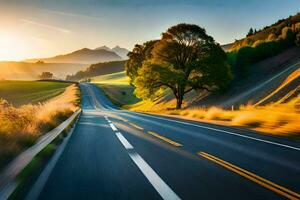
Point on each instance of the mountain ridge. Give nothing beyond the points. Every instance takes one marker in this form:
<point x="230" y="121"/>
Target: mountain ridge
<point x="81" y="56"/>
<point x="117" y="49"/>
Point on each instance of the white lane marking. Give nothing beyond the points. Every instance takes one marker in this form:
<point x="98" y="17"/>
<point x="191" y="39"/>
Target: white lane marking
<point x="159" y="185"/>
<point x="113" y="127"/>
<point x="214" y="129"/>
<point x="219" y="130"/>
<point x="107" y="119"/>
<point x="123" y="140"/>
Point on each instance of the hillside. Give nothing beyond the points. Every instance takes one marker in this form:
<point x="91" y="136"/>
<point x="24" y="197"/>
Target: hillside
<point x="98" y="69"/>
<point x="82" y="56"/>
<point x="268" y="33"/>
<point x="114" y="78"/>
<point x="30" y="71"/>
<point x="116" y="86"/>
<point x="280" y="86"/>
<point x="227" y="47"/>
<point x="263" y="85"/>
<point x="267" y="104"/>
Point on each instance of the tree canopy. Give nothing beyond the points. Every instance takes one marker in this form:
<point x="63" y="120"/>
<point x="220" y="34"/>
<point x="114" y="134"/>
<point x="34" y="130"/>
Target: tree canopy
<point x="46" y="75"/>
<point x="137" y="56"/>
<point x="250" y="32"/>
<point x="185" y="58"/>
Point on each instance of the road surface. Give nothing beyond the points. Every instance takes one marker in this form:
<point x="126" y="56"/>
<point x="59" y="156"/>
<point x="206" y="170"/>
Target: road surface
<point x="117" y="154"/>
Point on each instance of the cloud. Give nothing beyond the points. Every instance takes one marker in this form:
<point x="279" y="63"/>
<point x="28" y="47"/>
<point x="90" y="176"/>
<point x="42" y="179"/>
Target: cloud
<point x="69" y="14"/>
<point x="62" y="30"/>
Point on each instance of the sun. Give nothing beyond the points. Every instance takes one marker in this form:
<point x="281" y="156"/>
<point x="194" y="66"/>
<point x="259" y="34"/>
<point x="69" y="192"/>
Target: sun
<point x="12" y="47"/>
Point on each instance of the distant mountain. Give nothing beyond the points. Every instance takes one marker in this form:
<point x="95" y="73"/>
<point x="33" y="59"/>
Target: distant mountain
<point x="117" y="49"/>
<point x="104" y="47"/>
<point x="82" y="56"/>
<point x="121" y="51"/>
<point x="98" y="69"/>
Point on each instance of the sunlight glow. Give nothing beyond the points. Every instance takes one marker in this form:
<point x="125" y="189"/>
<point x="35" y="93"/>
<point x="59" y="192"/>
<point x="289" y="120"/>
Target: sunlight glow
<point x="12" y="47"/>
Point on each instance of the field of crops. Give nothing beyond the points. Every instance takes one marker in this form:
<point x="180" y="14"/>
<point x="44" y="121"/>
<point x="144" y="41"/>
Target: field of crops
<point x="24" y="92"/>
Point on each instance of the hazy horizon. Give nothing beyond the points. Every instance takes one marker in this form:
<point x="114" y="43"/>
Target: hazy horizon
<point x="38" y="28"/>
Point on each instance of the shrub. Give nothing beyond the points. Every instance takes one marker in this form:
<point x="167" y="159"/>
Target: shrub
<point x="257" y="42"/>
<point x="271" y="37"/>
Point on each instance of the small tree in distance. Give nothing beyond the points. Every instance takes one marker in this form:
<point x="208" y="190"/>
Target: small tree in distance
<point x="185" y="58"/>
<point x="46" y="75"/>
<point x="250" y="32"/>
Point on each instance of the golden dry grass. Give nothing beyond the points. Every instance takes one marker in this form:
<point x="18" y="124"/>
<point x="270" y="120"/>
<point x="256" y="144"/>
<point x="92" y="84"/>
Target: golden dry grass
<point x="21" y="127"/>
<point x="292" y="77"/>
<point x="277" y="119"/>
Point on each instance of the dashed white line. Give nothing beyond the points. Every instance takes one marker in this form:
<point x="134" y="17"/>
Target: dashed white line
<point x="107" y="119"/>
<point x="123" y="140"/>
<point x="113" y="127"/>
<point x="159" y="185"/>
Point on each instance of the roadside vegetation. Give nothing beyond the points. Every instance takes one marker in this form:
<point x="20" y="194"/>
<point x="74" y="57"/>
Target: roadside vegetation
<point x="264" y="43"/>
<point x="275" y="118"/>
<point x="21" y="127"/>
<point x="116" y="86"/>
<point x="186" y="60"/>
<point x="24" y="92"/>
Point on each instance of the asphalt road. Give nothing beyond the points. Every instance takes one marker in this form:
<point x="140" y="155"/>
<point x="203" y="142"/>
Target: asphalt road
<point x="117" y="154"/>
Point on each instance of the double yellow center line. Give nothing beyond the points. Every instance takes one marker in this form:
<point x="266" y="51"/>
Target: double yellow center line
<point x="164" y="139"/>
<point x="157" y="135"/>
<point x="136" y="126"/>
<point x="242" y="172"/>
<point x="253" y="177"/>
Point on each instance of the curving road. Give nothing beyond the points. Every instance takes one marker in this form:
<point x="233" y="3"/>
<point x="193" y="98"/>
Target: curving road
<point x="117" y="154"/>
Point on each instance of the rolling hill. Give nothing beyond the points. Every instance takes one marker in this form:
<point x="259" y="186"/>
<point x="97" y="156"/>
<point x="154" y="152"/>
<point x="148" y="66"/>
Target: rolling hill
<point x="30" y="71"/>
<point x="269" y="33"/>
<point x="82" y="56"/>
<point x="98" y="69"/>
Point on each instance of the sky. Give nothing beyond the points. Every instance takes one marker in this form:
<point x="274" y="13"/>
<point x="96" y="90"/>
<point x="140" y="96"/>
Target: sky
<point x="44" y="28"/>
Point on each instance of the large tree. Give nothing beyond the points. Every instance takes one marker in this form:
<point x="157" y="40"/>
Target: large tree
<point x="185" y="58"/>
<point x="137" y="56"/>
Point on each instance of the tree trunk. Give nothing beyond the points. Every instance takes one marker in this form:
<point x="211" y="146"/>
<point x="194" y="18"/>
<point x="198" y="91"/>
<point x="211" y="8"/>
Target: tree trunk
<point x="179" y="101"/>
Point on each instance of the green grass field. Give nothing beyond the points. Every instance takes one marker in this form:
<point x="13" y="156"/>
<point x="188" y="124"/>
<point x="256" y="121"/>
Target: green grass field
<point x="118" y="78"/>
<point x="116" y="86"/>
<point x="23" y="92"/>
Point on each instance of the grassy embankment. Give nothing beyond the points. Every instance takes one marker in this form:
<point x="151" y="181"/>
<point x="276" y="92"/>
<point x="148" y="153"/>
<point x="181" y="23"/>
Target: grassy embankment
<point x="116" y="86"/>
<point x="21" y="126"/>
<point x="278" y="118"/>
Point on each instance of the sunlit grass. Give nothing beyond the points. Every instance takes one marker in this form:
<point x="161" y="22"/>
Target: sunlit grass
<point x="21" y="127"/>
<point x="118" y="78"/>
<point x="23" y="92"/>
<point x="117" y="88"/>
<point x="278" y="119"/>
